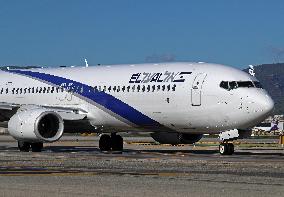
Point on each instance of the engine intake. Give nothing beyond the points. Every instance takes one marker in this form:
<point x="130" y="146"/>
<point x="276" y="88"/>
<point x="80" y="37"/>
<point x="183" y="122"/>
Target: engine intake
<point x="36" y="125"/>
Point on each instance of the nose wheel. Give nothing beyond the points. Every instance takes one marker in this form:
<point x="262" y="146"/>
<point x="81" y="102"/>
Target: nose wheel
<point x="111" y="142"/>
<point x="226" y="148"/>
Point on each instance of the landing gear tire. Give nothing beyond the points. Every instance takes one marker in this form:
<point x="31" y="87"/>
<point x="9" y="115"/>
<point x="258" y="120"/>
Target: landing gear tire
<point x="231" y="148"/>
<point x="116" y="143"/>
<point x="24" y="146"/>
<point x="37" y="147"/>
<point x="105" y="143"/>
<point x="226" y="148"/>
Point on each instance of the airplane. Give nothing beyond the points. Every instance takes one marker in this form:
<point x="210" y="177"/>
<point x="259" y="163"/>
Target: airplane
<point x="176" y="102"/>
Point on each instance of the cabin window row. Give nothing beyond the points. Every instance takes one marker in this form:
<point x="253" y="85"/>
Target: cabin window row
<point x="31" y="90"/>
<point x="133" y="88"/>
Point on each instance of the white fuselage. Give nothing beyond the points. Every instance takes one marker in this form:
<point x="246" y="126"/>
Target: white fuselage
<point x="182" y="97"/>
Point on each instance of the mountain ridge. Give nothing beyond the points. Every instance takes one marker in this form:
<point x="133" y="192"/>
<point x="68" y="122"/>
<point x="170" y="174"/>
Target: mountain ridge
<point x="271" y="76"/>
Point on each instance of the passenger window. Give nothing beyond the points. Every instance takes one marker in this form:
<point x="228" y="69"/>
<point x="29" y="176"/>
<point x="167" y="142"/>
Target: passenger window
<point x="143" y="88"/>
<point x="174" y="87"/>
<point x="163" y="88"/>
<point x="133" y="88"/>
<point x="169" y="87"/>
<point x="153" y="88"/>
<point x="138" y="88"/>
<point x="158" y="87"/>
<point x="148" y="88"/>
<point x="128" y="88"/>
<point x="95" y="89"/>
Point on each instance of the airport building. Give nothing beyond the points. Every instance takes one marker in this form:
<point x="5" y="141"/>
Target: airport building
<point x="273" y="125"/>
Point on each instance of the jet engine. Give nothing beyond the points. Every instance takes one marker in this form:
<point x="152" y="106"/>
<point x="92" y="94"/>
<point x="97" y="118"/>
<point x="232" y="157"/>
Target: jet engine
<point x="36" y="125"/>
<point x="176" y="138"/>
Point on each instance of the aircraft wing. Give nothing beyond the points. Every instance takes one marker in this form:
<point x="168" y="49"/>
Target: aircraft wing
<point x="67" y="113"/>
<point x="8" y="106"/>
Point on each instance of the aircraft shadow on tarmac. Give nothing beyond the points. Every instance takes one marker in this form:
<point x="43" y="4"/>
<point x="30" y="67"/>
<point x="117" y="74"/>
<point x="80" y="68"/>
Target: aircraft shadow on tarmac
<point x="261" y="153"/>
<point x="159" y="151"/>
<point x="179" y="151"/>
<point x="78" y="149"/>
<point x="211" y="152"/>
<point x="96" y="149"/>
<point x="72" y="148"/>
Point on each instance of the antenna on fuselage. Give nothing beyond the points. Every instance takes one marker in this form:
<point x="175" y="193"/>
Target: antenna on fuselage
<point x="86" y="63"/>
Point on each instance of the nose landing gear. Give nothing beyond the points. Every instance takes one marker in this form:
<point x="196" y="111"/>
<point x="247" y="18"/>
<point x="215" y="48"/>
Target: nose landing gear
<point x="111" y="142"/>
<point x="226" y="148"/>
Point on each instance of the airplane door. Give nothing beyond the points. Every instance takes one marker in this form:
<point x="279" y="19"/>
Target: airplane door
<point x="196" y="91"/>
<point x="66" y="95"/>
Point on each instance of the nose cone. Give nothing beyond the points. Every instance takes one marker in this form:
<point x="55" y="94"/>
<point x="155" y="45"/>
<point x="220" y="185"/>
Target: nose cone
<point x="266" y="104"/>
<point x="257" y="105"/>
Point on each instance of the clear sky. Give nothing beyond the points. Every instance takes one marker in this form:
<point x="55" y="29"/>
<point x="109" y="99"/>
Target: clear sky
<point x="64" y="32"/>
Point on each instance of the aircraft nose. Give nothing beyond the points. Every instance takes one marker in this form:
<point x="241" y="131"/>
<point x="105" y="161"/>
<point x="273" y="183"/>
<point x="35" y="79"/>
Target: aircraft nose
<point x="266" y="104"/>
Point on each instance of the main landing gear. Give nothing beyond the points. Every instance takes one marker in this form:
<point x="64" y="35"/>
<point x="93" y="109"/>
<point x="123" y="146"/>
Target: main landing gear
<point x="27" y="146"/>
<point x="226" y="148"/>
<point x="111" y="142"/>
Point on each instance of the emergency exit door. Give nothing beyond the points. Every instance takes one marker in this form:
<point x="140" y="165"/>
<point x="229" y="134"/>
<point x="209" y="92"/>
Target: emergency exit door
<point x="196" y="91"/>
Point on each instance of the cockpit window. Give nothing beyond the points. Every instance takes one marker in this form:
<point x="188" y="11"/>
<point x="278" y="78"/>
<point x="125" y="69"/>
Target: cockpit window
<point x="224" y="84"/>
<point x="230" y="85"/>
<point x="245" y="84"/>
<point x="233" y="85"/>
<point x="257" y="84"/>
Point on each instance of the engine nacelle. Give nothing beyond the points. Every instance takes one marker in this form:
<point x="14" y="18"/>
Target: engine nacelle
<point x="176" y="138"/>
<point x="36" y="125"/>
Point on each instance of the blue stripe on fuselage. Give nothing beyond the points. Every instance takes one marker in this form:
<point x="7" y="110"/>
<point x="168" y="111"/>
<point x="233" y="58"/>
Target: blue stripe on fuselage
<point x="108" y="101"/>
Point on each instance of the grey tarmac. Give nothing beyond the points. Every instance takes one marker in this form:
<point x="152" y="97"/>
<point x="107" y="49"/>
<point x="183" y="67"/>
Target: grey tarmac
<point x="74" y="166"/>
